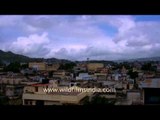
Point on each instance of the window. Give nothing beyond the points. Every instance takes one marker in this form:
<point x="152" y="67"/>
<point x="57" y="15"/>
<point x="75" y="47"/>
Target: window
<point x="30" y="102"/>
<point x="26" y="102"/>
<point x="36" y="89"/>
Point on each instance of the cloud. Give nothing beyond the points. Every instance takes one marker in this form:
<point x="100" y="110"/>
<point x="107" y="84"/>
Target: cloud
<point x="11" y="20"/>
<point x="140" y="41"/>
<point x="34" y="45"/>
<point x="80" y="36"/>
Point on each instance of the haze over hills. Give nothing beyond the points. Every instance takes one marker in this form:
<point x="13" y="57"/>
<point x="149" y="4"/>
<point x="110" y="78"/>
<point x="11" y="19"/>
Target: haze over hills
<point x="12" y="57"/>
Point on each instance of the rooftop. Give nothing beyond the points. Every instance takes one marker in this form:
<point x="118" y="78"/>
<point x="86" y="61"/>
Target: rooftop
<point x="38" y="85"/>
<point x="65" y="93"/>
<point x="150" y="83"/>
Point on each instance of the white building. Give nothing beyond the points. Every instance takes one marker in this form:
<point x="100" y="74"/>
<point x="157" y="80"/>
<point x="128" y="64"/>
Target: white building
<point x="116" y="76"/>
<point x="85" y="76"/>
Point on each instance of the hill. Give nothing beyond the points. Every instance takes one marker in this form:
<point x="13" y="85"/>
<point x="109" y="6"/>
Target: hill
<point x="8" y="57"/>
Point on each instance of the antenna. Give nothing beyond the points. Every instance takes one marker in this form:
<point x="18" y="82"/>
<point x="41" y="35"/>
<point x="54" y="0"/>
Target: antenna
<point x="87" y="60"/>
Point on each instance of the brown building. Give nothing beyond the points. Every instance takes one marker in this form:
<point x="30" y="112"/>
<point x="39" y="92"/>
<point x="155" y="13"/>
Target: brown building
<point x="94" y="66"/>
<point x="42" y="66"/>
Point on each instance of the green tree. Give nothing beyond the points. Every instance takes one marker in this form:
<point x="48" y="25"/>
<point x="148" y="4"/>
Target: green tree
<point x="98" y="100"/>
<point x="133" y="75"/>
<point x="147" y="67"/>
<point x="4" y="100"/>
<point x="24" y="66"/>
<point x="67" y="66"/>
<point x="14" y="67"/>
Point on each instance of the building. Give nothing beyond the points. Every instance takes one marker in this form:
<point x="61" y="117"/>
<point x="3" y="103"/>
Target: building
<point x="52" y="67"/>
<point x="85" y="76"/>
<point x="12" y="87"/>
<point x="14" y="91"/>
<point x="123" y="70"/>
<point x="158" y="67"/>
<point x="108" y="83"/>
<point x="61" y="74"/>
<point x="116" y="76"/>
<point x="101" y="76"/>
<point x="130" y="84"/>
<point x="150" y="91"/>
<point x="94" y="66"/>
<point x="149" y="75"/>
<point x="34" y="95"/>
<point x="42" y="66"/>
<point x="134" y="96"/>
<point x="27" y="71"/>
<point x="79" y="69"/>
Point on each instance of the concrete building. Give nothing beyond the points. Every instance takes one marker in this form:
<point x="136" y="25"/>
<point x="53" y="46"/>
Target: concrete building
<point x="101" y="76"/>
<point x="130" y="84"/>
<point x="134" y="96"/>
<point x="42" y="66"/>
<point x="123" y="70"/>
<point x="116" y="76"/>
<point x="14" y="91"/>
<point x="16" y="80"/>
<point x="52" y="67"/>
<point x="79" y="69"/>
<point x="106" y="84"/>
<point x="34" y="95"/>
<point x="150" y="91"/>
<point x="158" y="67"/>
<point x="61" y="74"/>
<point x="85" y="76"/>
<point x="94" y="66"/>
<point x="27" y="71"/>
<point x="149" y="75"/>
<point x="12" y="86"/>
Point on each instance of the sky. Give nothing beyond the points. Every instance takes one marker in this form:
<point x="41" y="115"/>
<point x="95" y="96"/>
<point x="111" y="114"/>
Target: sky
<point x="78" y="37"/>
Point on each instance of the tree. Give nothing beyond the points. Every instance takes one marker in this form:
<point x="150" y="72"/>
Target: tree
<point x="14" y="67"/>
<point x="24" y="66"/>
<point x="133" y="75"/>
<point x="149" y="67"/>
<point x="4" y="100"/>
<point x="67" y="66"/>
<point x="1" y="64"/>
<point x="98" y="100"/>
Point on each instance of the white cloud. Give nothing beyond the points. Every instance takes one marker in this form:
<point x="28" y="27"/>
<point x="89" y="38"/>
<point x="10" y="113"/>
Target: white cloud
<point x="79" y="37"/>
<point x="33" y="45"/>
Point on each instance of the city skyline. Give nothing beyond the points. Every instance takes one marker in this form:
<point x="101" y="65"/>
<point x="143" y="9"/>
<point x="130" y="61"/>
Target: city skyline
<point x="77" y="37"/>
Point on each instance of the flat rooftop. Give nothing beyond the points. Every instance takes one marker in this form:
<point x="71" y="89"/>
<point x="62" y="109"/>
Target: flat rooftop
<point x="65" y="93"/>
<point x="150" y="83"/>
